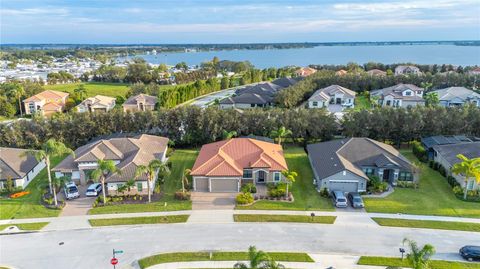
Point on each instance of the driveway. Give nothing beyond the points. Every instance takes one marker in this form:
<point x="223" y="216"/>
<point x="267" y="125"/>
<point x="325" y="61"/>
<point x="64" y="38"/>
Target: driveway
<point x="213" y="201"/>
<point x="79" y="206"/>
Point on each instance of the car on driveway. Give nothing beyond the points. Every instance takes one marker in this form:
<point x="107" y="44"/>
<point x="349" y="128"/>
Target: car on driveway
<point x="470" y="253"/>
<point x="355" y="200"/>
<point x="71" y="191"/>
<point x="339" y="199"/>
<point x="94" y="190"/>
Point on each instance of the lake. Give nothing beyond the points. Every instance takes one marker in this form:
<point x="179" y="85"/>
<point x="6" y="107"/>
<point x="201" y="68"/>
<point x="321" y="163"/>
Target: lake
<point x="420" y="54"/>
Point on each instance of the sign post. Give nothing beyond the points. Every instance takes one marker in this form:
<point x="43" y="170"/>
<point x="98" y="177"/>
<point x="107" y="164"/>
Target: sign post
<point x="114" y="261"/>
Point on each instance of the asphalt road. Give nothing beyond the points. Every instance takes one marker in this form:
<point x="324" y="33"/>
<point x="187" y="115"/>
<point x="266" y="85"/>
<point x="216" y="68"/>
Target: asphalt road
<point x="92" y="248"/>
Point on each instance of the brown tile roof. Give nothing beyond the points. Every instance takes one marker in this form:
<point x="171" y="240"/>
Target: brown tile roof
<point x="148" y="99"/>
<point x="48" y="94"/>
<point x="230" y="157"/>
<point x="13" y="164"/>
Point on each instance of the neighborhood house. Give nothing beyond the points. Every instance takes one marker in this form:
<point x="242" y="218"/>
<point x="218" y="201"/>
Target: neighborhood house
<point x="400" y="95"/>
<point x="431" y="141"/>
<point x="225" y="165"/>
<point x="18" y="166"/>
<point x="46" y="102"/>
<point x="141" y="102"/>
<point x="346" y="164"/>
<point x="406" y="70"/>
<point x="457" y="96"/>
<point x="127" y="153"/>
<point x="334" y="97"/>
<point x="96" y="103"/>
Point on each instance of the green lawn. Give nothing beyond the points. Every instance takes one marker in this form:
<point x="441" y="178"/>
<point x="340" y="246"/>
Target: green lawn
<point x="181" y="159"/>
<point x="26" y="226"/>
<point x="139" y="220"/>
<point x="29" y="206"/>
<point x="304" y="192"/>
<point x="362" y="102"/>
<point x="433" y="197"/>
<point x="283" y="218"/>
<point x="93" y="88"/>
<point x="429" y="224"/>
<point x="434" y="264"/>
<point x="218" y="256"/>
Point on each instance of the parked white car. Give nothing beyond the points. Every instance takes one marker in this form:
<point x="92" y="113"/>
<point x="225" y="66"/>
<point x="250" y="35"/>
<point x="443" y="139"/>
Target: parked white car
<point x="71" y="191"/>
<point x="94" y="189"/>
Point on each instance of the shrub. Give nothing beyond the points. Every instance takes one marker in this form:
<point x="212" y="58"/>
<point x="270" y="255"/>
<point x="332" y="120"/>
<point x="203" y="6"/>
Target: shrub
<point x="419" y="151"/>
<point x="457" y="190"/>
<point x="278" y="190"/>
<point x="430" y="163"/>
<point x="157" y="188"/>
<point x="442" y="170"/>
<point x="244" y="198"/>
<point x="249" y="187"/>
<point x="324" y="192"/>
<point x="406" y="184"/>
<point x="436" y="166"/>
<point x="452" y="181"/>
<point x="183" y="196"/>
<point x="472" y="193"/>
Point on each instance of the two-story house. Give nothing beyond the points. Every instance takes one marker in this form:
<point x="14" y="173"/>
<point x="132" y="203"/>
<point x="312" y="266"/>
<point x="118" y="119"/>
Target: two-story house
<point x="407" y="70"/>
<point x="46" y="102"/>
<point x="400" y="95"/>
<point x="141" y="102"/>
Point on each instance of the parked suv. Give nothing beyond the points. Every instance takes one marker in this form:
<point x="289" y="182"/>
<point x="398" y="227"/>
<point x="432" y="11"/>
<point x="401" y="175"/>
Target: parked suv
<point x="94" y="189"/>
<point x="355" y="200"/>
<point x="339" y="199"/>
<point x="470" y="253"/>
<point x="71" y="191"/>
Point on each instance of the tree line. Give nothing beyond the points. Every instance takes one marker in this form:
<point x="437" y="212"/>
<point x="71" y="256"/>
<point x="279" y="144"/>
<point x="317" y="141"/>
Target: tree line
<point x="360" y="82"/>
<point x="389" y="68"/>
<point x="192" y="126"/>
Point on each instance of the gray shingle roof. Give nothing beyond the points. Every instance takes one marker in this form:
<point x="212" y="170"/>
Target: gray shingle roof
<point x="431" y="141"/>
<point x="13" y="163"/>
<point x="462" y="93"/>
<point x="396" y="92"/>
<point x="324" y="93"/>
<point x="450" y="152"/>
<point x="331" y="157"/>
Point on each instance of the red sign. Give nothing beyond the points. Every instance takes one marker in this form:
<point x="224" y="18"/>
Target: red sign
<point x="114" y="261"/>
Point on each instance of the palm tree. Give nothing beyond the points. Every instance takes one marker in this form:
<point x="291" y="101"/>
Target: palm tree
<point x="81" y="91"/>
<point x="257" y="259"/>
<point x="419" y="258"/>
<point x="281" y="133"/>
<point x="228" y="135"/>
<point x="127" y="186"/>
<point x="150" y="171"/>
<point x="104" y="168"/>
<point x="431" y="99"/>
<point x="18" y="92"/>
<point x="50" y="149"/>
<point x="186" y="172"/>
<point x="290" y="176"/>
<point x="470" y="168"/>
<point x="272" y="264"/>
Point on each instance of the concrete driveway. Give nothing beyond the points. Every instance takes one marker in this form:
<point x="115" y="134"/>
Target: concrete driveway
<point x="213" y="201"/>
<point x="79" y="206"/>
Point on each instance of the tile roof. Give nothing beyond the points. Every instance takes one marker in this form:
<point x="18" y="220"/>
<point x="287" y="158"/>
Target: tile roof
<point x="98" y="100"/>
<point x="376" y="72"/>
<point x="149" y="100"/>
<point x="230" y="157"/>
<point x="325" y="93"/>
<point x="331" y="157"/>
<point x="14" y="164"/>
<point x="48" y="94"/>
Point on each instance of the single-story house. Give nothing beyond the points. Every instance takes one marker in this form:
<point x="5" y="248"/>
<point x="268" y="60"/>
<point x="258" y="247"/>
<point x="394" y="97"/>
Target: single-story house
<point x="305" y="71"/>
<point x="400" y="95"/>
<point x="331" y="96"/>
<point x="127" y="153"/>
<point x="429" y="142"/>
<point x="376" y="72"/>
<point x="96" y="103"/>
<point x="141" y="102"/>
<point x="457" y="96"/>
<point x="225" y="165"/>
<point x="446" y="155"/>
<point x="20" y="167"/>
<point x="406" y="70"/>
<point x="259" y="95"/>
<point x="346" y="164"/>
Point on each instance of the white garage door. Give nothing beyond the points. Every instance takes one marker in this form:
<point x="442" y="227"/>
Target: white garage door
<point x="345" y="186"/>
<point x="224" y="184"/>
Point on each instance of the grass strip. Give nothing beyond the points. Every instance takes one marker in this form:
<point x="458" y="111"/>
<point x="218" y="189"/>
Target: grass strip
<point x="139" y="220"/>
<point x="429" y="224"/>
<point x="218" y="256"/>
<point x="283" y="218"/>
<point x="434" y="264"/>
<point x="35" y="226"/>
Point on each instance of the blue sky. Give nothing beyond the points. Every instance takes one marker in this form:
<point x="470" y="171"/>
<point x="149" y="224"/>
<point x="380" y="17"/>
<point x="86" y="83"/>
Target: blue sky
<point x="242" y="21"/>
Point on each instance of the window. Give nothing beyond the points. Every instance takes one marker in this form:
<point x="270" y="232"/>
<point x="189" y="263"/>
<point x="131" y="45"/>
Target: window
<point x="405" y="176"/>
<point x="315" y="103"/>
<point x="419" y="92"/>
<point x="276" y="176"/>
<point x="470" y="184"/>
<point x="139" y="186"/>
<point x="247" y="173"/>
<point x="408" y="93"/>
<point x="369" y="171"/>
<point x="119" y="186"/>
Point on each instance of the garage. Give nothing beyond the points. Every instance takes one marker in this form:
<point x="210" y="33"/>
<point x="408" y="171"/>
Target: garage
<point x="224" y="185"/>
<point x="201" y="184"/>
<point x="343" y="185"/>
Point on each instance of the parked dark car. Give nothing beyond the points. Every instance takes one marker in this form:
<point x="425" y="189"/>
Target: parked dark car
<point x="355" y="200"/>
<point x="470" y="253"/>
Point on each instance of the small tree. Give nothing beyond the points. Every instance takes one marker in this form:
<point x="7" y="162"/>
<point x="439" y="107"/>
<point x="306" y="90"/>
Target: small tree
<point x="257" y="259"/>
<point x="290" y="177"/>
<point x="281" y="133"/>
<point x="229" y="135"/>
<point x="104" y="168"/>
<point x="431" y="99"/>
<point x="469" y="168"/>
<point x="50" y="149"/>
<point x="419" y="258"/>
<point x="81" y="92"/>
<point x="186" y="173"/>
<point x="154" y="168"/>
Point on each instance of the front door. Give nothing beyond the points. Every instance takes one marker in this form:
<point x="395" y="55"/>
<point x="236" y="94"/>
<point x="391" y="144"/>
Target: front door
<point x="386" y="175"/>
<point x="339" y="101"/>
<point x="261" y="176"/>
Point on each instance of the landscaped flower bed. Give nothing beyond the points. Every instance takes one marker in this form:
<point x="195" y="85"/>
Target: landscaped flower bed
<point x="19" y="194"/>
<point x="126" y="199"/>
